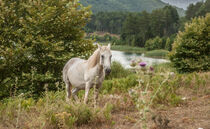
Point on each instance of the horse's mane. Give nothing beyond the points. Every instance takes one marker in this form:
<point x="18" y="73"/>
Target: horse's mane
<point x="94" y="59"/>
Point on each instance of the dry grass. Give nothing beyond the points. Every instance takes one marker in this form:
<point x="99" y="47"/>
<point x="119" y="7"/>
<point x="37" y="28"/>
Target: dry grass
<point x="118" y="109"/>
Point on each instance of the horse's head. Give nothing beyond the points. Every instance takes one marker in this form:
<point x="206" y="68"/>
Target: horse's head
<point x="105" y="57"/>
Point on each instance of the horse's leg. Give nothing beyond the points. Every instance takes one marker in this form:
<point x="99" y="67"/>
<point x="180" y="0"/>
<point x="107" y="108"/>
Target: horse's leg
<point x="87" y="88"/>
<point x="97" y="89"/>
<point x="74" y="93"/>
<point x="68" y="90"/>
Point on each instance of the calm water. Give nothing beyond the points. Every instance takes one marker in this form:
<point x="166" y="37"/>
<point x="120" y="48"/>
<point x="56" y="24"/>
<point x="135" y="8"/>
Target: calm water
<point x="125" y="58"/>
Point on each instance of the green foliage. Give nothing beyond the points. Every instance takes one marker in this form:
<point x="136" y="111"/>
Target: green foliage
<point x="147" y="90"/>
<point x="103" y="38"/>
<point x="136" y="29"/>
<point x="50" y="111"/>
<point x="81" y="112"/>
<point x="107" y="111"/>
<point x="169" y="42"/>
<point x="119" y="84"/>
<point x="157" y="53"/>
<point x="155" y="43"/>
<point x="140" y="27"/>
<point x="123" y="5"/>
<point x="198" y="9"/>
<point x="191" y="47"/>
<point x="36" y="39"/>
<point x="118" y="71"/>
<point x="111" y="22"/>
<point x="168" y="91"/>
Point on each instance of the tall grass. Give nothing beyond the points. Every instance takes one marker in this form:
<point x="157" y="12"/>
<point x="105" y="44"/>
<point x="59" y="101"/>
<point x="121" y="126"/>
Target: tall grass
<point x="161" y="88"/>
<point x="143" y="91"/>
<point x="157" y="53"/>
<point x="118" y="71"/>
<point x="49" y="111"/>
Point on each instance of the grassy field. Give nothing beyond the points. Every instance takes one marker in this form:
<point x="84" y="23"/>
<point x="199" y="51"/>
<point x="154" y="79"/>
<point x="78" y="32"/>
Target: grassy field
<point x="157" y="53"/>
<point x="160" y="98"/>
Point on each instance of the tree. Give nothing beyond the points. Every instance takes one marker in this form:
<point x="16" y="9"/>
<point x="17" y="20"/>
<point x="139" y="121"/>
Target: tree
<point x="156" y="43"/>
<point x="191" y="49"/>
<point x="198" y="9"/>
<point x="36" y="39"/>
<point x="107" y="22"/>
<point x="139" y="27"/>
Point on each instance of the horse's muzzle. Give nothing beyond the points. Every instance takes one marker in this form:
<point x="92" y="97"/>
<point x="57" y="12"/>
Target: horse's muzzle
<point x="108" y="71"/>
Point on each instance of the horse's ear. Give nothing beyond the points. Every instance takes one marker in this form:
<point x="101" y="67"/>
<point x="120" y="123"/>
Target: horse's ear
<point x="109" y="46"/>
<point x="99" y="46"/>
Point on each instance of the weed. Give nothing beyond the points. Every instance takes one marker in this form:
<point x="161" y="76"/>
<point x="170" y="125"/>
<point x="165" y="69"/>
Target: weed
<point x="107" y="111"/>
<point x="118" y="71"/>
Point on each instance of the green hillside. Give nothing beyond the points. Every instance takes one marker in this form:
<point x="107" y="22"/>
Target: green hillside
<point x="126" y="5"/>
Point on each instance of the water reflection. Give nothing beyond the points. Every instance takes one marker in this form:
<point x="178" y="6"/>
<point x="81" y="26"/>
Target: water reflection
<point x="125" y="58"/>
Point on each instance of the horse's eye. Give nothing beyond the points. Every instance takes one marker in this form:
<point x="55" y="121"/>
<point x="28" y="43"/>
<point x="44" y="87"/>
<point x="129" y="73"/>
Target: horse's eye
<point x="111" y="56"/>
<point x="102" y="56"/>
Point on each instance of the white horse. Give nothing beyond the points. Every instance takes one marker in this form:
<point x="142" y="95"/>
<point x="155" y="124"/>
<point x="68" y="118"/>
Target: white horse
<point x="82" y="74"/>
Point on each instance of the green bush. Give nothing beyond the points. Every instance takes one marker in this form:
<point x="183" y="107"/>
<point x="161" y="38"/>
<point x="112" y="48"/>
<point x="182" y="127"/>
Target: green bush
<point x="156" y="43"/>
<point x="119" y="84"/>
<point x="81" y="112"/>
<point x="103" y="38"/>
<point x="118" y="71"/>
<point x="169" y="42"/>
<point x="191" y="47"/>
<point x="36" y="39"/>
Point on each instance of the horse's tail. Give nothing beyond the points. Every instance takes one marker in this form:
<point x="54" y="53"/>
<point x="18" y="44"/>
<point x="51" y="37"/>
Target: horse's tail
<point x="65" y="72"/>
<point x="66" y="79"/>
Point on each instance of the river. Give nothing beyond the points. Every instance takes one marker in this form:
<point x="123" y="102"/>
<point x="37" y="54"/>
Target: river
<point x="126" y="58"/>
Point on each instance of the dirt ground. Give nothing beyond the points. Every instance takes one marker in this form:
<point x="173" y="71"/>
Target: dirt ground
<point x="193" y="113"/>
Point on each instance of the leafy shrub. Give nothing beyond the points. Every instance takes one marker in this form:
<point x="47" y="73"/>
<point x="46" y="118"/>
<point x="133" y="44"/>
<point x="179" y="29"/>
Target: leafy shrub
<point x="37" y="38"/>
<point x="118" y="71"/>
<point x="81" y="112"/>
<point x="119" y="84"/>
<point x="156" y="43"/>
<point x="191" y="47"/>
<point x="103" y="38"/>
<point x="107" y="111"/>
<point x="169" y="42"/>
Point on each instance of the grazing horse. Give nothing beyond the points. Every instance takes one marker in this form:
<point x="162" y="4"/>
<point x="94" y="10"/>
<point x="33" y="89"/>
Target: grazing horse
<point x="84" y="74"/>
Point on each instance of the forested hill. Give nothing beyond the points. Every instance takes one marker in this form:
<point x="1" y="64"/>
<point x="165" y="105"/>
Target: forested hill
<point x="126" y="5"/>
<point x="181" y="3"/>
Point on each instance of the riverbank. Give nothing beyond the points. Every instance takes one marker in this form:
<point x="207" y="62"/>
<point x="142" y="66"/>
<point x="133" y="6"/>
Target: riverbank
<point x="138" y="50"/>
<point x="128" y="49"/>
<point x="163" y="54"/>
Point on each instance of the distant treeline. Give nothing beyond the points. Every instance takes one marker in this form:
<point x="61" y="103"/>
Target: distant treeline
<point x="137" y="28"/>
<point x="198" y="9"/>
<point x="111" y="22"/>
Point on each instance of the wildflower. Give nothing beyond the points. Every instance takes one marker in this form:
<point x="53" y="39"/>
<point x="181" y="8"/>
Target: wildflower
<point x="151" y="68"/>
<point x="133" y="63"/>
<point x="142" y="64"/>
